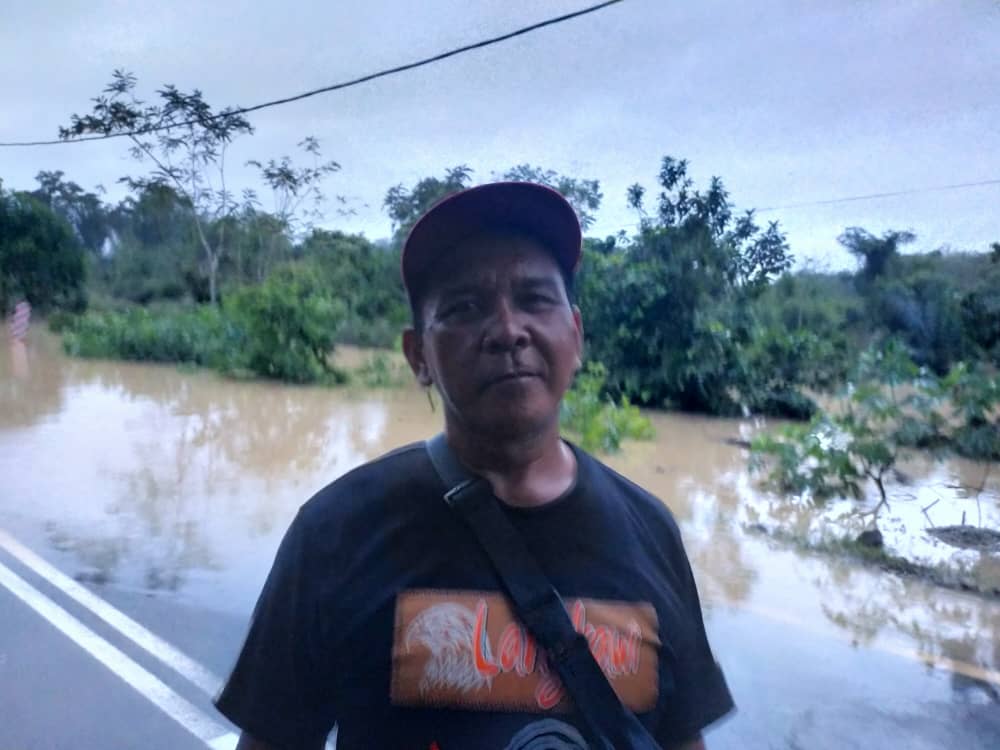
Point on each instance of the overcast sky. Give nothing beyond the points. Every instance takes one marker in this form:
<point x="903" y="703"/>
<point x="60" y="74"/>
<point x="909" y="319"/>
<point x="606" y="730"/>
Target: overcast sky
<point x="788" y="102"/>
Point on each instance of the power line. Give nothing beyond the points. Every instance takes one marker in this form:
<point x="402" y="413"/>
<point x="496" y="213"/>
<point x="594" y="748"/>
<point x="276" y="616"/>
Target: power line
<point x="871" y="196"/>
<point x="335" y="86"/>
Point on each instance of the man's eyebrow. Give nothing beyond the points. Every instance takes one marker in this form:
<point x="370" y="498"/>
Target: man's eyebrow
<point x="546" y="283"/>
<point x="459" y="288"/>
<point x="472" y="286"/>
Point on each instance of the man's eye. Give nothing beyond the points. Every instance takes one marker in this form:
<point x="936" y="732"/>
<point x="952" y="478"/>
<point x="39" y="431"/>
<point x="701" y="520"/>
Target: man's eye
<point x="463" y="307"/>
<point x="538" y="299"/>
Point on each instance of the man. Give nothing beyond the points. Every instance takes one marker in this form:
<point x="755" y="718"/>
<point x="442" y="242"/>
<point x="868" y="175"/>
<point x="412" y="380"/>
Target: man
<point x="382" y="614"/>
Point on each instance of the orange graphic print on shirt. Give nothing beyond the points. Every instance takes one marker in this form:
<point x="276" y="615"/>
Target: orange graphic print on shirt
<point x="465" y="649"/>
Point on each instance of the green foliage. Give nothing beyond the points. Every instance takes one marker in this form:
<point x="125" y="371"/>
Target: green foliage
<point x="198" y="336"/>
<point x="282" y="329"/>
<point x="874" y="253"/>
<point x="406" y="205"/>
<point x="82" y="210"/>
<point x="599" y="422"/>
<point x="669" y="312"/>
<point x="295" y="189"/>
<point x="944" y="307"/>
<point x="974" y="392"/>
<point x="923" y="309"/>
<point x="381" y="370"/>
<point x="289" y="323"/>
<point x="813" y="459"/>
<point x="694" y="310"/>
<point x="61" y="320"/>
<point x="803" y="327"/>
<point x="40" y="258"/>
<point x="187" y="157"/>
<point x="981" y="321"/>
<point x="365" y="278"/>
<point x="892" y="406"/>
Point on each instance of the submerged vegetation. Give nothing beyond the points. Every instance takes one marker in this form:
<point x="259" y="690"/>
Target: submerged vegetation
<point x="891" y="406"/>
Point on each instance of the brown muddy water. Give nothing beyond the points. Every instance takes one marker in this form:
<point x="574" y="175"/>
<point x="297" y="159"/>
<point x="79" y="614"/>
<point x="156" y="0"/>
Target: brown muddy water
<point x="180" y="484"/>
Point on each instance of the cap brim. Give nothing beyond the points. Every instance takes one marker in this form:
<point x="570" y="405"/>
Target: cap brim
<point x="535" y="210"/>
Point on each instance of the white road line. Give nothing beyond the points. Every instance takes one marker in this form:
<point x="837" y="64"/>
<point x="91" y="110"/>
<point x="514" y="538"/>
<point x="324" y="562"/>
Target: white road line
<point x="169" y="655"/>
<point x="146" y="684"/>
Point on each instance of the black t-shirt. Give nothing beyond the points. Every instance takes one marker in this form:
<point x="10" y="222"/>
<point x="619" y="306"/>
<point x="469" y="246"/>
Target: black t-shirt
<point x="382" y="615"/>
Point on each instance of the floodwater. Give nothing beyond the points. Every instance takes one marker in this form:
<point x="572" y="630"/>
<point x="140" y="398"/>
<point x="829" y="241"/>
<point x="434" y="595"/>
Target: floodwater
<point x="179" y="484"/>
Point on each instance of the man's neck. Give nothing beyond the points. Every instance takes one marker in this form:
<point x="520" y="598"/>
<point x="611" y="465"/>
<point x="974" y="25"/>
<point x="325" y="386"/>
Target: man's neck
<point x="526" y="470"/>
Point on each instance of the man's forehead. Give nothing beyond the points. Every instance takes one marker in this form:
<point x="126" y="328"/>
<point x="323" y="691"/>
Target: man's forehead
<point x="486" y="256"/>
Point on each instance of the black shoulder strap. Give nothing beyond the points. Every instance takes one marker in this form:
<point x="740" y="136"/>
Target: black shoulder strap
<point x="539" y="606"/>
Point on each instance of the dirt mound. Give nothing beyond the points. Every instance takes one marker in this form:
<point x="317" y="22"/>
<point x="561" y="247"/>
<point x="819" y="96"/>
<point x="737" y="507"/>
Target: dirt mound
<point x="968" y="537"/>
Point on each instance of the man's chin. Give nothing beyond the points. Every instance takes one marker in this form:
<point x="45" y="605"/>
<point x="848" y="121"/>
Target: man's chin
<point x="516" y="421"/>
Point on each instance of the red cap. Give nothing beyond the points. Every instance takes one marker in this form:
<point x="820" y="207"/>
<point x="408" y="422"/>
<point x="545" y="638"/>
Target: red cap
<point x="536" y="210"/>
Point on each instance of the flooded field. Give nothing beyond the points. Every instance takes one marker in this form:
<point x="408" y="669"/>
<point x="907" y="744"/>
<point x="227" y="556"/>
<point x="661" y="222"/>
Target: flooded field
<point x="179" y="485"/>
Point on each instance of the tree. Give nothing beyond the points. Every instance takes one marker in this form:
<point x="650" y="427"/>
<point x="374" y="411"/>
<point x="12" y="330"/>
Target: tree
<point x="186" y="142"/>
<point x="41" y="260"/>
<point x="874" y="253"/>
<point x="405" y="205"/>
<point x="290" y="324"/>
<point x="296" y="190"/>
<point x="584" y="195"/>
<point x="296" y="198"/>
<point x="156" y="250"/>
<point x="668" y="312"/>
<point x="85" y="212"/>
<point x="365" y="278"/>
<point x="749" y="257"/>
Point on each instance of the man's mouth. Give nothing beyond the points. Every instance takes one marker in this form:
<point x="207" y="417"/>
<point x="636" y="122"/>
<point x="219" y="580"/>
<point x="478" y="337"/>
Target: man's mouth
<point x="511" y="376"/>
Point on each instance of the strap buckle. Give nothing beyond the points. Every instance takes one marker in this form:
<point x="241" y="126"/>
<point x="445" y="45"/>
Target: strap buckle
<point x="452" y="496"/>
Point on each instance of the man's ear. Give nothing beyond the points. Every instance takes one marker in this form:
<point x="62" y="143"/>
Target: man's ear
<point x="413" y="349"/>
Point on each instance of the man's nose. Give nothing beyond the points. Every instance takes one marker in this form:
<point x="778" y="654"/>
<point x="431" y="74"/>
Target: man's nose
<point x="505" y="329"/>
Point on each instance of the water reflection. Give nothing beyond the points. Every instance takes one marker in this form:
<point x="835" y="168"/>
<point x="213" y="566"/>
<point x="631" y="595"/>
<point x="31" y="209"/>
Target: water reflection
<point x="689" y="466"/>
<point x="30" y="388"/>
<point x="942" y="626"/>
<point x="169" y="481"/>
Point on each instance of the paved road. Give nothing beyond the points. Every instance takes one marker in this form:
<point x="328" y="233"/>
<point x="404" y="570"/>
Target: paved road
<point x="70" y="679"/>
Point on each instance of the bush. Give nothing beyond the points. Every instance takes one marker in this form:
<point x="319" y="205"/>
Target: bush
<point x="198" y="336"/>
<point x="365" y="279"/>
<point x="380" y="370"/>
<point x="41" y="260"/>
<point x="891" y="407"/>
<point x="61" y="320"/>
<point x="669" y="311"/>
<point x="597" y="421"/>
<point x="289" y="323"/>
<point x="975" y="394"/>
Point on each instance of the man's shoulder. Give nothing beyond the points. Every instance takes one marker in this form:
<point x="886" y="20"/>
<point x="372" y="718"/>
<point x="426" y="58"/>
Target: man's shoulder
<point x="611" y="484"/>
<point x="367" y="488"/>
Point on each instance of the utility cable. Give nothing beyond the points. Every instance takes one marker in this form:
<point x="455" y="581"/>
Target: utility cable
<point x="871" y="196"/>
<point x="335" y="86"/>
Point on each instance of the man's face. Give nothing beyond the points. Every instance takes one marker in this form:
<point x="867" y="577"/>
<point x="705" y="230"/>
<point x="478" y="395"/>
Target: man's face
<point x="500" y="340"/>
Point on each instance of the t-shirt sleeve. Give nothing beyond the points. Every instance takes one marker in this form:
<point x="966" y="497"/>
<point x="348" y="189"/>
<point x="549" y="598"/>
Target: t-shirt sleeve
<point x="274" y="690"/>
<point x="701" y="695"/>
